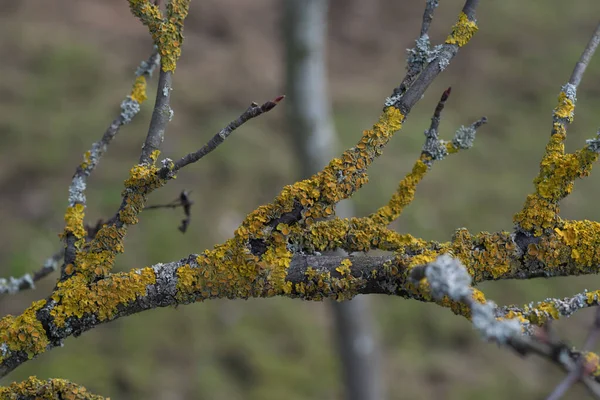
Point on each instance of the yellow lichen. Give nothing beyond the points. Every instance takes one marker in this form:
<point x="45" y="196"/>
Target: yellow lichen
<point x="24" y="333"/>
<point x="592" y="297"/>
<point x="344" y="268"/>
<point x="50" y="389"/>
<point x="76" y="297"/>
<point x="403" y="196"/>
<point x="167" y="32"/>
<point x="98" y="257"/>
<point x="138" y="92"/>
<point x="592" y="363"/>
<point x="74" y="223"/>
<point x="565" y="107"/>
<point x="463" y="31"/>
<point x="340" y="179"/>
<point x="86" y="160"/>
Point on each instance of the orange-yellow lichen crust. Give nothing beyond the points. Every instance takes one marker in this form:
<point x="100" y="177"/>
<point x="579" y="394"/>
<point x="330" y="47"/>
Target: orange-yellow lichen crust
<point x="320" y="285"/>
<point x="405" y="193"/>
<point x="167" y="32"/>
<point x="96" y="258"/>
<point x="74" y="223"/>
<point x="339" y="180"/>
<point x="486" y="255"/>
<point x="403" y="196"/>
<point x="232" y="270"/>
<point x="462" y="31"/>
<point x="592" y="363"/>
<point x="76" y="297"/>
<point x="143" y="179"/>
<point x="572" y="248"/>
<point x="23" y="333"/>
<point x="558" y="172"/>
<point x="51" y="389"/>
<point x="353" y="234"/>
<point x="138" y="92"/>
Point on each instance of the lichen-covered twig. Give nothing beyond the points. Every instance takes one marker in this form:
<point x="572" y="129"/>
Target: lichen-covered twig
<point x="251" y="112"/>
<point x="447" y="277"/>
<point x="34" y="388"/>
<point x="26" y="281"/>
<point x="434" y="149"/>
<point x="424" y="63"/>
<point x="74" y="233"/>
<point x="558" y="170"/>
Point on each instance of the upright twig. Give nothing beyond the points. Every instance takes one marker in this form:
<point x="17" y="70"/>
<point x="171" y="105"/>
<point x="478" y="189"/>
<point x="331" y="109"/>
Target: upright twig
<point x="161" y="115"/>
<point x="585" y="58"/>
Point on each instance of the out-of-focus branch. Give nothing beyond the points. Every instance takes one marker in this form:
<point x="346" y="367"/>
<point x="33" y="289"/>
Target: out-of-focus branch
<point x="182" y="201"/>
<point x="314" y="140"/>
<point x="447" y="277"/>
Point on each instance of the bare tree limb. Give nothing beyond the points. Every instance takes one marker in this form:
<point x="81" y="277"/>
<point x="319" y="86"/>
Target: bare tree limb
<point x="586" y="57"/>
<point x="161" y="115"/>
<point x="129" y="108"/>
<point x="251" y="112"/>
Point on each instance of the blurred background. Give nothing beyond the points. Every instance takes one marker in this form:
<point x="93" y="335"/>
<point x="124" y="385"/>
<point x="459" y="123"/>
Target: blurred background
<point x="66" y="66"/>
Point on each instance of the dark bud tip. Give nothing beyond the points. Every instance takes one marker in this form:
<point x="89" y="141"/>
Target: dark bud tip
<point x="446" y="94"/>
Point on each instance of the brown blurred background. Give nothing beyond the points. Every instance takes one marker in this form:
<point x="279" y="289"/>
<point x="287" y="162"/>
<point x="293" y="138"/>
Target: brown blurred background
<point x="67" y="65"/>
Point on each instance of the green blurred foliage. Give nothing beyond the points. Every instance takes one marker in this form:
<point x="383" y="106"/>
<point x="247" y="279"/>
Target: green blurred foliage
<point x="66" y="69"/>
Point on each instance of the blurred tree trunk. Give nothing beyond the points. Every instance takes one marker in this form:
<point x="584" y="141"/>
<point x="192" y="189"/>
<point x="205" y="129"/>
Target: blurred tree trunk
<point x="315" y="142"/>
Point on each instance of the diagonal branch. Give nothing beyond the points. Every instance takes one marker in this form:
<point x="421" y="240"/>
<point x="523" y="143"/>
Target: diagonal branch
<point x="251" y="112"/>
<point x="74" y="230"/>
<point x="161" y="115"/>
<point x="585" y="58"/>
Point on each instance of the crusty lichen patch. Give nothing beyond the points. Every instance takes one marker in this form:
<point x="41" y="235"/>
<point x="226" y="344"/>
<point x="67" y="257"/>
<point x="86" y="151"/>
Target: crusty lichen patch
<point x="24" y="333"/>
<point x="462" y="31"/>
<point x="339" y="180"/>
<point x="558" y="172"/>
<point x="167" y="32"/>
<point x="50" y="389"/>
<point x="76" y="297"/>
<point x="74" y="223"/>
<point x="138" y="92"/>
<point x="403" y="196"/>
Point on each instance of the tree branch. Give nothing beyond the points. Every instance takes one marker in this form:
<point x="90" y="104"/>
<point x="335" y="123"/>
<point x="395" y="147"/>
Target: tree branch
<point x="251" y="112"/>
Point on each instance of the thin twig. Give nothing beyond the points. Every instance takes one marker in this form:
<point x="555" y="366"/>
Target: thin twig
<point x="182" y="201"/>
<point x="161" y="116"/>
<point x="430" y="7"/>
<point x="421" y="74"/>
<point x="129" y="108"/>
<point x="251" y="112"/>
<point x="579" y="371"/>
<point x="435" y="120"/>
<point x="585" y="58"/>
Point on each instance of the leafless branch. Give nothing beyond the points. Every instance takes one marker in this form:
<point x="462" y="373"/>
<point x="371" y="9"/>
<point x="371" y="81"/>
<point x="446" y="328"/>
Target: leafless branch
<point x="585" y="58"/>
<point x="161" y="116"/>
<point x="251" y="112"/>
<point x="430" y="7"/>
<point x="129" y="108"/>
<point x="182" y="201"/>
